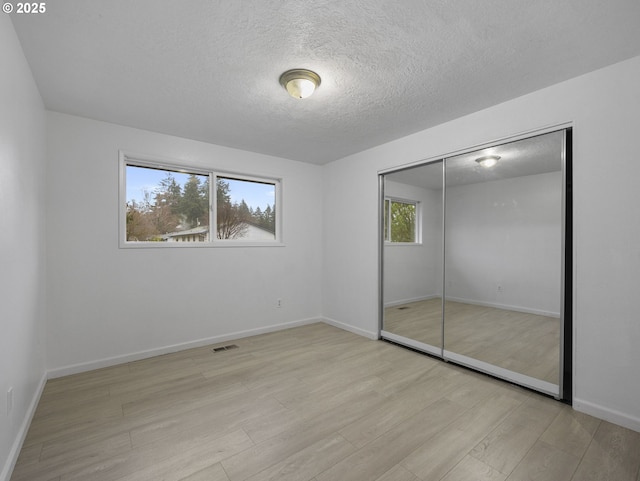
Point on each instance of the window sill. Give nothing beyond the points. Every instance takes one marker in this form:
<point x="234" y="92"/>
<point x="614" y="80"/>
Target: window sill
<point x="196" y="245"/>
<point x="402" y="244"/>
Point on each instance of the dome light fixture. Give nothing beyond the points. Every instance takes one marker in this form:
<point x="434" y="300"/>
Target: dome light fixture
<point x="300" y="83"/>
<point x="488" y="160"/>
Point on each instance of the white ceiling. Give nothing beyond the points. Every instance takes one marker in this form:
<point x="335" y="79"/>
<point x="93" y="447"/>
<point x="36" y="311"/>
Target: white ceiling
<point x="208" y="69"/>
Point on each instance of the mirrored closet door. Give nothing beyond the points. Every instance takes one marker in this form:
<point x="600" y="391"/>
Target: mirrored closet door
<point x="473" y="259"/>
<point x="412" y="260"/>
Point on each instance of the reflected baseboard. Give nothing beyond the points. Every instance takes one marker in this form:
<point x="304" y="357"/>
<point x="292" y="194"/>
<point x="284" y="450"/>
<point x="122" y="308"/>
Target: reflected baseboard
<point x="474" y="302"/>
<point x="506" y="307"/>
<point x="409" y="301"/>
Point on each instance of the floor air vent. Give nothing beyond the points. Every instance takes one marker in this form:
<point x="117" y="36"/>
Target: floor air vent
<point x="224" y="348"/>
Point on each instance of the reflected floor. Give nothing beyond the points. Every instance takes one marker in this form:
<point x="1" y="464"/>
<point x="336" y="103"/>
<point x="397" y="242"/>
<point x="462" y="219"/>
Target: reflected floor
<point x="518" y="341"/>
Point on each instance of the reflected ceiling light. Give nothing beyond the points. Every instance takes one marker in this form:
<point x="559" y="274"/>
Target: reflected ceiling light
<point x="300" y="83"/>
<point x="488" y="160"/>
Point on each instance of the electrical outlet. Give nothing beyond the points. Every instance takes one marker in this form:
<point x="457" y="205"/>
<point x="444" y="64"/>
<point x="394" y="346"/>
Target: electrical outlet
<point x="9" y="401"/>
<point x="278" y="302"/>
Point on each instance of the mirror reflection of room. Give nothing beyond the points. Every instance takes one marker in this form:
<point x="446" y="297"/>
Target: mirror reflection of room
<point x="502" y="258"/>
<point x="413" y="270"/>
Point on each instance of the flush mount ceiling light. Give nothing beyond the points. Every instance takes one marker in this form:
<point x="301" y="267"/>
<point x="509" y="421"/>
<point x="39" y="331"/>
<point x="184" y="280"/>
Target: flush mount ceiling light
<point x="300" y="83"/>
<point x="488" y="160"/>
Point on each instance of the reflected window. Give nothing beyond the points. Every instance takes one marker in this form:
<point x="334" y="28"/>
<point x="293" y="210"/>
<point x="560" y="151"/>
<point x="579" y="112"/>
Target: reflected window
<point x="400" y="221"/>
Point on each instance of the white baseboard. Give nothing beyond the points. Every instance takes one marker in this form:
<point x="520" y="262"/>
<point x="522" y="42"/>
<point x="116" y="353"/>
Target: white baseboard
<point x="347" y="327"/>
<point x="136" y="356"/>
<point x="507" y="307"/>
<point x="474" y="302"/>
<point x="5" y="475"/>
<point x="611" y="415"/>
<point x="409" y="301"/>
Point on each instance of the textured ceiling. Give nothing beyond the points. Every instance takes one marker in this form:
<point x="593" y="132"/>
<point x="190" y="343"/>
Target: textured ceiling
<point x="208" y="70"/>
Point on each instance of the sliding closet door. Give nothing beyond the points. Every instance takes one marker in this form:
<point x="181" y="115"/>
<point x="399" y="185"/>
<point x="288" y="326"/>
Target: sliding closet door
<point x="504" y="260"/>
<point x="412" y="257"/>
<point x="474" y="254"/>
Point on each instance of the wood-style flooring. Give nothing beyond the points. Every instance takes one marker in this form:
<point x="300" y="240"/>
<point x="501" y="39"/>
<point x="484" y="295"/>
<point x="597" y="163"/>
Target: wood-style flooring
<point x="525" y="343"/>
<point x="313" y="403"/>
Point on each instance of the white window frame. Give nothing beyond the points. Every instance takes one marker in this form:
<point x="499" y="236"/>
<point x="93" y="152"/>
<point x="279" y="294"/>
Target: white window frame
<point x="142" y="160"/>
<point x="418" y="223"/>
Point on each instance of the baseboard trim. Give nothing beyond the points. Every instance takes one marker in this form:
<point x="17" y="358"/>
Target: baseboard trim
<point x="7" y="470"/>
<point x="462" y="300"/>
<point x="409" y="301"/>
<point x="113" y="361"/>
<point x="611" y="415"/>
<point x="507" y="307"/>
<point x="347" y="327"/>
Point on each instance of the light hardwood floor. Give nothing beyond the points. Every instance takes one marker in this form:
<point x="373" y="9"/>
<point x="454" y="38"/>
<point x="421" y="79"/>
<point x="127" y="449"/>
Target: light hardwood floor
<point x="521" y="342"/>
<point x="313" y="403"/>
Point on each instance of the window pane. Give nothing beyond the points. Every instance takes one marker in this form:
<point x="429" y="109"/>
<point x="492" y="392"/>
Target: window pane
<point x="403" y="222"/>
<point x="166" y="205"/>
<point x="246" y="209"/>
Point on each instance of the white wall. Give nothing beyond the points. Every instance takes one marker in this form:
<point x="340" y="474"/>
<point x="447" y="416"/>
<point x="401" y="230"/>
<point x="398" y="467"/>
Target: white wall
<point x="508" y="233"/>
<point x="603" y="107"/>
<point x="414" y="272"/>
<point x="107" y="304"/>
<point x="22" y="265"/>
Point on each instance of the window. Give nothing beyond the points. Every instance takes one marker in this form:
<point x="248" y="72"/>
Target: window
<point x="246" y="209"/>
<point x="401" y="221"/>
<point x="169" y="205"/>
